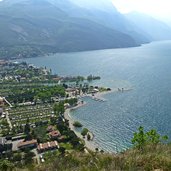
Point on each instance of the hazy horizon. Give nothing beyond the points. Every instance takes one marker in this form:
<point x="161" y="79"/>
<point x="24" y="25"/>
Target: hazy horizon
<point x="159" y="10"/>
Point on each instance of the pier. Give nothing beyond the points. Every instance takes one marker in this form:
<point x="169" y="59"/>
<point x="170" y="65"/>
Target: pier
<point x="98" y="99"/>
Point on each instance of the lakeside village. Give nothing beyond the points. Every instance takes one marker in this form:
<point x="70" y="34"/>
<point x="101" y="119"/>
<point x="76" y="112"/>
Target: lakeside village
<point x="32" y="106"/>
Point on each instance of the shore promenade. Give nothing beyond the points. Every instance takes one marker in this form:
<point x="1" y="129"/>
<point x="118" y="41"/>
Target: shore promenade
<point x="89" y="144"/>
<point x="98" y="97"/>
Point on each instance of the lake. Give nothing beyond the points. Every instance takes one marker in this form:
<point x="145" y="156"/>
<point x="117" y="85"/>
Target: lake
<point x="146" y="70"/>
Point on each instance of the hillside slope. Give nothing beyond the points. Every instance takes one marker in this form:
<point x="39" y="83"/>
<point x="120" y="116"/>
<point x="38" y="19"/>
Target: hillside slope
<point x="36" y="27"/>
<point x="154" y="28"/>
<point x="152" y="158"/>
<point x="104" y="12"/>
<point x="43" y="26"/>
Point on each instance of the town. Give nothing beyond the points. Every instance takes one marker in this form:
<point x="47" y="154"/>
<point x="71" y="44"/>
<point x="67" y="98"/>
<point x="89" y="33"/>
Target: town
<point x="32" y="106"/>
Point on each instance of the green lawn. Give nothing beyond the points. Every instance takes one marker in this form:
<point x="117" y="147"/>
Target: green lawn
<point x="67" y="146"/>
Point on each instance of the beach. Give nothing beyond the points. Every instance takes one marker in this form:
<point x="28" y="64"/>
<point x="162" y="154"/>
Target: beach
<point x="91" y="145"/>
<point x="88" y="144"/>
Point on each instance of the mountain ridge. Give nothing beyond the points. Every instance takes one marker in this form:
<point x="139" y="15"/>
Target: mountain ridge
<point x="156" y="29"/>
<point x="37" y="27"/>
<point x="49" y="28"/>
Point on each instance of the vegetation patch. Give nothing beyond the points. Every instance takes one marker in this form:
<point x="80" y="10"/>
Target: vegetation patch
<point x="77" y="124"/>
<point x="84" y="132"/>
<point x="40" y="134"/>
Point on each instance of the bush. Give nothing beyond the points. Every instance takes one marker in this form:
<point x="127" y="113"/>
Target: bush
<point x="77" y="124"/>
<point x="88" y="137"/>
<point x="142" y="138"/>
<point x="84" y="132"/>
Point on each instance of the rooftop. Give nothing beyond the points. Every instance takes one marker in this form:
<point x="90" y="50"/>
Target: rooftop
<point x="48" y="145"/>
<point x="55" y="134"/>
<point x="50" y="128"/>
<point x="25" y="143"/>
<point x="1" y="99"/>
<point x="3" y="140"/>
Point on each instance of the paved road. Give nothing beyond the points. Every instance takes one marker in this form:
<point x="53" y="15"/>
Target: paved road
<point x="7" y="102"/>
<point x="37" y="156"/>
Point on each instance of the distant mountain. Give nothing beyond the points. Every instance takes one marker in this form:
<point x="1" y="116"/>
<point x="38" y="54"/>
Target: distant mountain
<point x="115" y="20"/>
<point x="33" y="27"/>
<point x="37" y="27"/>
<point x="155" y="29"/>
<point x="104" y="12"/>
<point x="104" y="5"/>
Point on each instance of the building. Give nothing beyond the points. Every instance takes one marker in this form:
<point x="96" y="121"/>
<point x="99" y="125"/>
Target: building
<point x="5" y="145"/>
<point x="2" y="144"/>
<point x="1" y="111"/>
<point x="67" y="105"/>
<point x="1" y="104"/>
<point x="27" y="144"/>
<point x="42" y="147"/>
<point x="50" y="128"/>
<point x="54" y="135"/>
<point x="62" y="138"/>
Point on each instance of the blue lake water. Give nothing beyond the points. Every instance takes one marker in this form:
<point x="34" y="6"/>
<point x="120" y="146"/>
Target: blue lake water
<point x="145" y="69"/>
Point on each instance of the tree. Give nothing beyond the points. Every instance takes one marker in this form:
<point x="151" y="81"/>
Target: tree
<point x="6" y="165"/>
<point x="88" y="137"/>
<point x="72" y="101"/>
<point x="27" y="129"/>
<point x="84" y="132"/>
<point x="55" y="108"/>
<point x="96" y="149"/>
<point x="17" y="157"/>
<point x="75" y="141"/>
<point x="77" y="124"/>
<point x="141" y="139"/>
<point x="59" y="108"/>
<point x="53" y="120"/>
<point x="154" y="138"/>
<point x="62" y="150"/>
<point x="28" y="157"/>
<point x="90" y="78"/>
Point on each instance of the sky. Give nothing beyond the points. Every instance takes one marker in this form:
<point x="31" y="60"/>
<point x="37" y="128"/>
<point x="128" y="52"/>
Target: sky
<point x="160" y="9"/>
<point x="157" y="8"/>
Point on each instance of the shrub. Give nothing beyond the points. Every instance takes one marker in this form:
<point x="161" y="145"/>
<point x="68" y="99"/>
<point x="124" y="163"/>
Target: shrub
<point x="141" y="138"/>
<point x="77" y="124"/>
<point x="84" y="132"/>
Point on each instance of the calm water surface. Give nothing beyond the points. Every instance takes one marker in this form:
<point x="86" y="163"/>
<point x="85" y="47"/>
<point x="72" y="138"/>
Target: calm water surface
<point x="146" y="69"/>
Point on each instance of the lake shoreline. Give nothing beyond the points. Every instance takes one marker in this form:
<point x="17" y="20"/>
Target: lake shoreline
<point x="89" y="144"/>
<point x="67" y="52"/>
